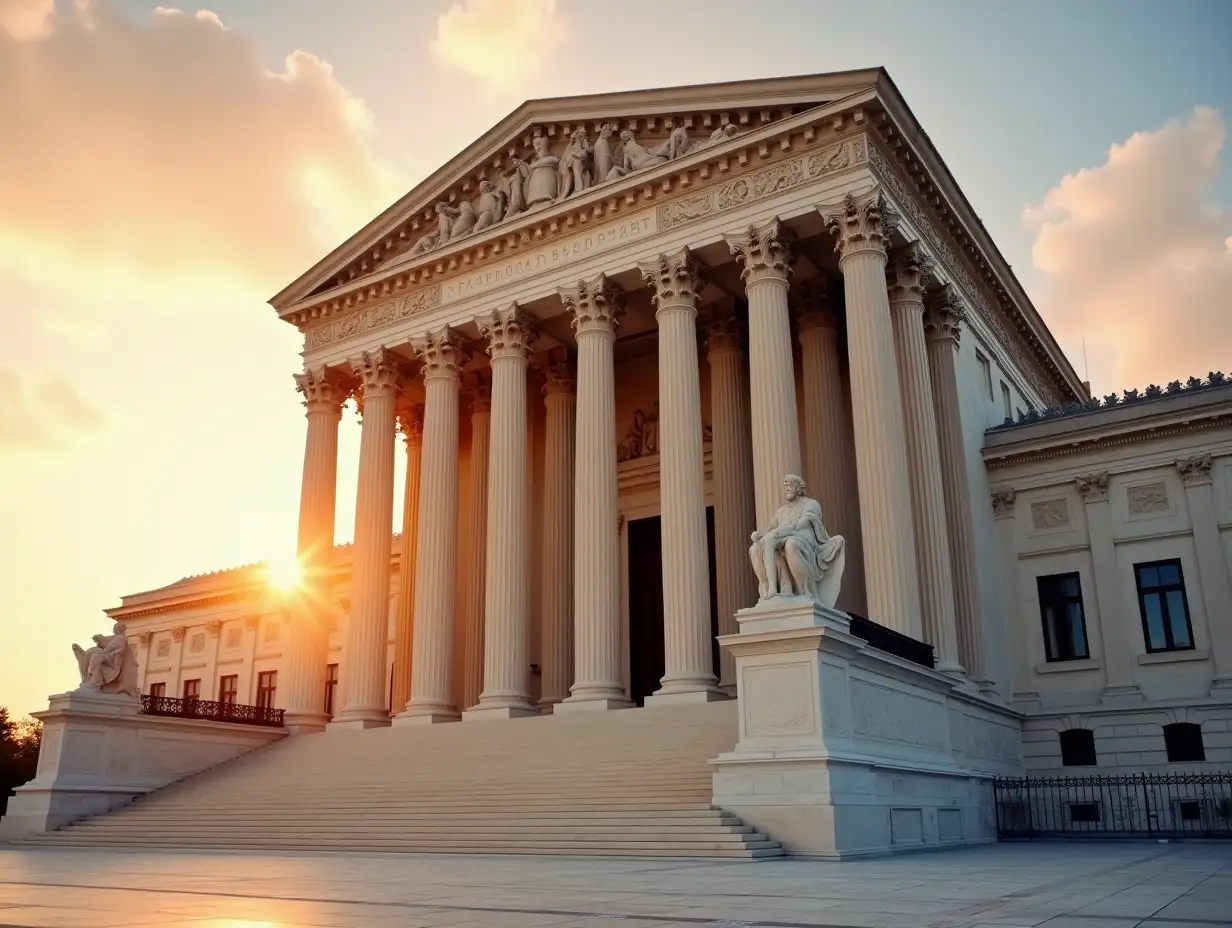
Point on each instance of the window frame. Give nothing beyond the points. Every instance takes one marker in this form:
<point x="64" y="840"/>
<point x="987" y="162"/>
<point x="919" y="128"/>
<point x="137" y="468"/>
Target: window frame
<point x="196" y="681"/>
<point x="986" y="374"/>
<point x="267" y="687"/>
<point x="1088" y="742"/>
<point x="1007" y="400"/>
<point x="229" y="695"/>
<point x="1162" y="590"/>
<point x="1067" y="601"/>
<point x="1177" y="728"/>
<point x="158" y="690"/>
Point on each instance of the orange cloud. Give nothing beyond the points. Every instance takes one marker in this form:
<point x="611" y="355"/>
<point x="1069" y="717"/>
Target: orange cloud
<point x="163" y="156"/>
<point x="502" y="43"/>
<point x="42" y="413"/>
<point x="26" y="20"/>
<point x="1138" y="261"/>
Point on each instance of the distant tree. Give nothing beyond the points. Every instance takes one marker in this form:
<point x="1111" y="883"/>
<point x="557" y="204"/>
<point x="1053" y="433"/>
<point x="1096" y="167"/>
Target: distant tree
<point x="19" y="750"/>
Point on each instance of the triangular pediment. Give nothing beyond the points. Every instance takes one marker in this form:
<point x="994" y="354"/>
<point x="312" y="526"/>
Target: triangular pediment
<point x="547" y="151"/>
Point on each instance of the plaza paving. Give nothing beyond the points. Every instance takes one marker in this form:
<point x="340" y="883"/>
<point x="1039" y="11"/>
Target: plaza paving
<point x="1057" y="885"/>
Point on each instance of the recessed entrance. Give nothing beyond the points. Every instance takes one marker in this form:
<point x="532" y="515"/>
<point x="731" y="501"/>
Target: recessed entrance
<point x="646" y="657"/>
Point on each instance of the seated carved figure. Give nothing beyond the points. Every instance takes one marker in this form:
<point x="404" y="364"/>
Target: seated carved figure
<point x="795" y="555"/>
<point x="109" y="666"/>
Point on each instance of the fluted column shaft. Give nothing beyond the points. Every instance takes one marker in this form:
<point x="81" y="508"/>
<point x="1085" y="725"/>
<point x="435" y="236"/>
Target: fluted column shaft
<point x="877" y="413"/>
<point x="363" y="677"/>
<point x="560" y="399"/>
<point x="432" y="655"/>
<point x="472" y="611"/>
<point x="942" y="331"/>
<point x="303" y="686"/>
<point x="932" y="540"/>
<point x="1213" y="571"/>
<point x="506" y="660"/>
<point x="765" y="256"/>
<point x="688" y="674"/>
<point x="596" y="599"/>
<point x="735" y="514"/>
<point x="827" y="439"/>
<point x="410" y="423"/>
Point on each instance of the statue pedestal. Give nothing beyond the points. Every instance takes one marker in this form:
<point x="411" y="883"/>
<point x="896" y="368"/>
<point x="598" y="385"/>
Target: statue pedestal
<point x="99" y="753"/>
<point x="848" y="751"/>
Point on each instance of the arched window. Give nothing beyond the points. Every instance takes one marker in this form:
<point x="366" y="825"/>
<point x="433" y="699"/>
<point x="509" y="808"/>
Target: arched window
<point x="1078" y="747"/>
<point x="1184" y="742"/>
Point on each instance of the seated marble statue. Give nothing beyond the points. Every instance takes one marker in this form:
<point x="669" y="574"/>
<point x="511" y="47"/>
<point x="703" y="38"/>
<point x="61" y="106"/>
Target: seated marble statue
<point x="795" y="555"/>
<point x="109" y="666"/>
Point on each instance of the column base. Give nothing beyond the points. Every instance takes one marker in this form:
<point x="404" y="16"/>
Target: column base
<point x="690" y="698"/>
<point x="482" y="712"/>
<point x="987" y="687"/>
<point x="358" y="721"/>
<point x="953" y="668"/>
<point x="600" y="704"/>
<point x="729" y="689"/>
<point x="1121" y="694"/>
<point x="548" y="706"/>
<point x="426" y="715"/>
<point x="302" y="722"/>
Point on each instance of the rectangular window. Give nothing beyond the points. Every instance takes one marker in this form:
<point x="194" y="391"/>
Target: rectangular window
<point x="331" y="686"/>
<point x="158" y="690"/>
<point x="267" y="683"/>
<point x="1007" y="404"/>
<point x="192" y="689"/>
<point x="1084" y="812"/>
<point x="228" y="687"/>
<point x="1065" y="627"/>
<point x="985" y="373"/>
<point x="1164" y="608"/>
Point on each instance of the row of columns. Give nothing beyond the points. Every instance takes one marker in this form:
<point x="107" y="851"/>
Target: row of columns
<point x="909" y="468"/>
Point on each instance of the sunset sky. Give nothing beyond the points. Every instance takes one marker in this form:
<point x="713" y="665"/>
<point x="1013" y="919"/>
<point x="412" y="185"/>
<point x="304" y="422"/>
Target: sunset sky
<point x="163" y="172"/>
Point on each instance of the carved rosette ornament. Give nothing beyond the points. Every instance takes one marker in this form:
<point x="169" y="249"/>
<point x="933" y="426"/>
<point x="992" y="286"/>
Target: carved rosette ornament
<point x="764" y="252"/>
<point x="1195" y="471"/>
<point x="861" y="224"/>
<point x="509" y="331"/>
<point x="558" y="370"/>
<point x="596" y="305"/>
<point x="675" y="280"/>
<point x="324" y="390"/>
<point x="944" y="315"/>
<point x="441" y="353"/>
<point x="723" y="330"/>
<point x="1003" y="504"/>
<point x="379" y="372"/>
<point x="1093" y="488"/>
<point x="410" y="420"/>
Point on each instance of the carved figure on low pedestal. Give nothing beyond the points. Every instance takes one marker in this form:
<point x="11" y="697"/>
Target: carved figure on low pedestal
<point x="795" y="555"/>
<point x="109" y="666"/>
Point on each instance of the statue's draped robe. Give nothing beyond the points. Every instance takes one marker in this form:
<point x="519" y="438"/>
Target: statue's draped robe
<point x="114" y="664"/>
<point x="823" y="553"/>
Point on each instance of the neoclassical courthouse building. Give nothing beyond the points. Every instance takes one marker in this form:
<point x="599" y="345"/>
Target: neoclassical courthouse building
<point x="603" y="334"/>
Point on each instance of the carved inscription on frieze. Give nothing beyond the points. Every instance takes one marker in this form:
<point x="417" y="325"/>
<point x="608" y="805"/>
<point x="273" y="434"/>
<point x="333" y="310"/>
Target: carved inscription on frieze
<point x="1049" y="514"/>
<point x="1148" y="498"/>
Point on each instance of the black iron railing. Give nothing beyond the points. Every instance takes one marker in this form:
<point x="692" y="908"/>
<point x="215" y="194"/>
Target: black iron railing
<point x="892" y="642"/>
<point x="211" y="711"/>
<point x="1139" y="805"/>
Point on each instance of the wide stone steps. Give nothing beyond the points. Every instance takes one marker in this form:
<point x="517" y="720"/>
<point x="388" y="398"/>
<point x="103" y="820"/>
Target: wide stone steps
<point x="628" y="783"/>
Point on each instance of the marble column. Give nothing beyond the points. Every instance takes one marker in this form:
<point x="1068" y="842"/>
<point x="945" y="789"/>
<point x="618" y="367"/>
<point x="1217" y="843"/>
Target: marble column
<point x="687" y="642"/>
<point x="560" y="400"/>
<point x="1120" y="688"/>
<point x="379" y="373"/>
<point x="942" y="328"/>
<point x="829" y="469"/>
<point x="862" y="226"/>
<point x="303" y="683"/>
<point x="735" y="513"/>
<point x="478" y="389"/>
<point x="432" y="652"/>
<point x="596" y="308"/>
<point x="765" y="257"/>
<point x="410" y="424"/>
<point x="904" y="276"/>
<point x="506" y="650"/>
<point x="1213" y="576"/>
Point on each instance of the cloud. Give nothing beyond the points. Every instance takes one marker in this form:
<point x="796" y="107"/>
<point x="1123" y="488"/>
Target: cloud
<point x="501" y="43"/>
<point x="162" y="157"/>
<point x="1137" y="259"/>
<point x="26" y="20"/>
<point x="42" y="412"/>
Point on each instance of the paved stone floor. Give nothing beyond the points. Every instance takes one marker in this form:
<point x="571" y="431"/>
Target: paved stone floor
<point x="1057" y="885"/>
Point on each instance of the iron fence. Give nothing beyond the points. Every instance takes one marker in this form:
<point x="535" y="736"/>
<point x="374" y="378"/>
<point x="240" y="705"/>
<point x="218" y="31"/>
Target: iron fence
<point x="1139" y="805"/>
<point x="211" y="711"/>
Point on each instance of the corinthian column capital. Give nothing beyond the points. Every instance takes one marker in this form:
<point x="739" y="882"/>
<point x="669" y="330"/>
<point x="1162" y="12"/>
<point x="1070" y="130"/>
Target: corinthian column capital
<point x="723" y="330"/>
<point x="558" y="370"/>
<point x="477" y="385"/>
<point x="905" y="273"/>
<point x="410" y="420"/>
<point x="441" y="353"/>
<point x="813" y="306"/>
<point x="323" y="389"/>
<point x="764" y="252"/>
<point x="1196" y="470"/>
<point x="509" y="331"/>
<point x="380" y="372"/>
<point x="944" y="315"/>
<point x="596" y="305"/>
<point x="675" y="279"/>
<point x="861" y="223"/>
<point x="1093" y="488"/>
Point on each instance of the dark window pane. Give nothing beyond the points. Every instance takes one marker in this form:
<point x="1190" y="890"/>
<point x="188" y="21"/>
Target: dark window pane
<point x="1178" y="619"/>
<point x="1156" y="638"/>
<point x="1149" y="577"/>
<point x="1084" y="812"/>
<point x="1169" y="573"/>
<point x="1078" y="630"/>
<point x="1183" y="741"/>
<point x="1078" y="748"/>
<point x="1191" y="810"/>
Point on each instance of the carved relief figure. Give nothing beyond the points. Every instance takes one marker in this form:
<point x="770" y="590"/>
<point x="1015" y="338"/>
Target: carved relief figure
<point x="795" y="555"/>
<point x="491" y="206"/>
<point x="109" y="666"/>
<point x="575" y="166"/>
<point x="643" y="436"/>
<point x="543" y="177"/>
<point x="426" y="242"/>
<point x="634" y="157"/>
<point x="517" y="188"/>
<point x="604" y="156"/>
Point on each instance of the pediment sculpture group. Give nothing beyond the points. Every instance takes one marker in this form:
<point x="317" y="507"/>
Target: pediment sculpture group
<point x="547" y="178"/>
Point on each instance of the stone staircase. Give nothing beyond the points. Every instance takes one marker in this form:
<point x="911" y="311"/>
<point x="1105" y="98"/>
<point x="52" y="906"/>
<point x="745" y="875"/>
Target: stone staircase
<point x="635" y="782"/>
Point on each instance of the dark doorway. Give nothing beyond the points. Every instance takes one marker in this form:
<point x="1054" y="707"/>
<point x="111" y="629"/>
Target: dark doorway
<point x="646" y="658"/>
